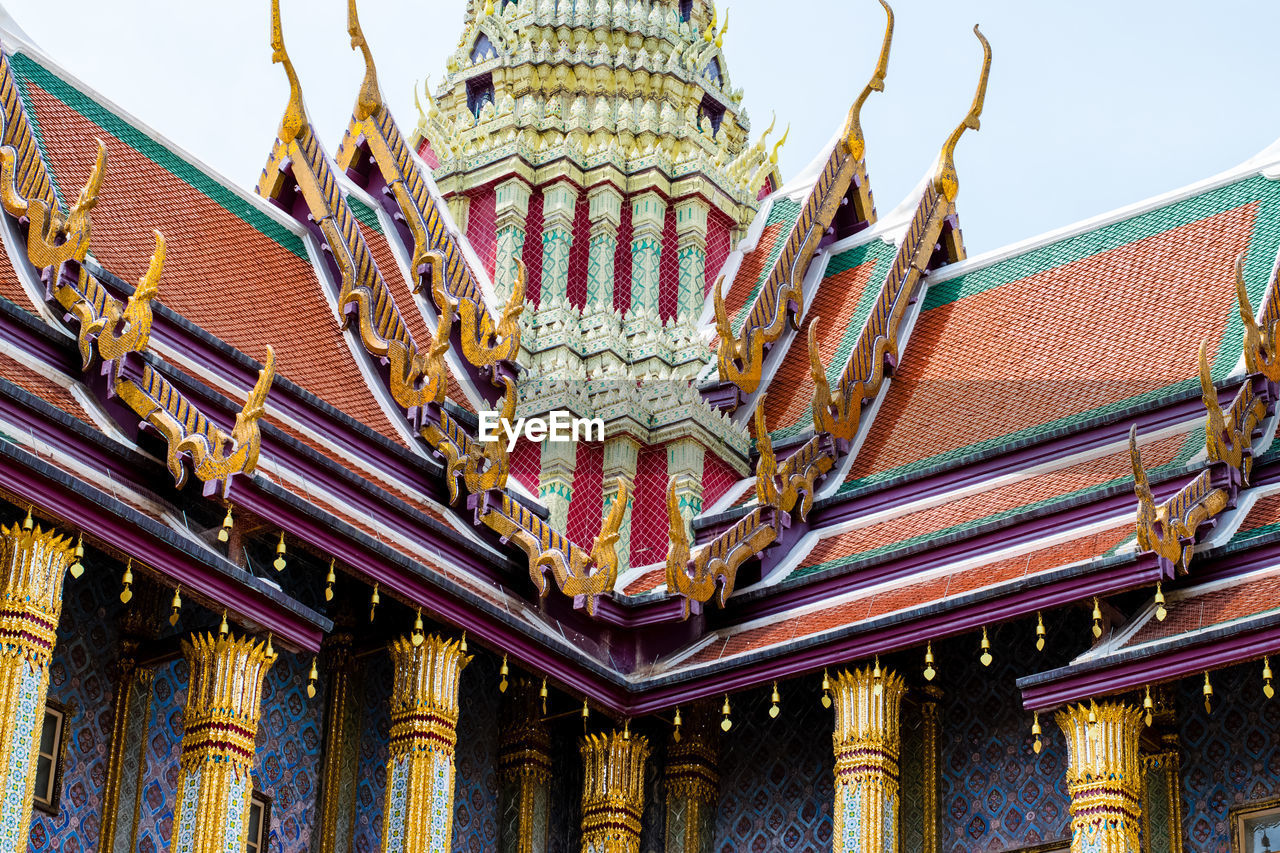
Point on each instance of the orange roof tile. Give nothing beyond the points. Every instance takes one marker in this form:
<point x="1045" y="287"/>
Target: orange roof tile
<point x="221" y="272"/>
<point x="43" y="387"/>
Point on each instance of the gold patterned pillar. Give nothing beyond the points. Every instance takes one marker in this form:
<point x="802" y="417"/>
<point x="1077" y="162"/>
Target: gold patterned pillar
<point x="524" y="773"/>
<point x="1104" y="776"/>
<point x="612" y="791"/>
<point x="424" y="734"/>
<point x="33" y="562"/>
<point x="693" y="783"/>
<point x="220" y="722"/>
<point x="867" y="744"/>
<point x="341" y="747"/>
<point x="126" y="763"/>
<point x="932" y="757"/>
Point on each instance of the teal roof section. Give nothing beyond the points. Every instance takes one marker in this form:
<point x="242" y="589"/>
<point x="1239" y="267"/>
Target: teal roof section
<point x="785" y="211"/>
<point x="366" y="215"/>
<point x="878" y="251"/>
<point x="28" y="72"/>
<point x="1260" y="259"/>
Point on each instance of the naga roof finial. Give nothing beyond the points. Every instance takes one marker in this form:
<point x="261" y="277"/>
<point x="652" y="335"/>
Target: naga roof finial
<point x="946" y="180"/>
<point x="853" y="139"/>
<point x="295" y="114"/>
<point x="773" y="158"/>
<point x="369" y="101"/>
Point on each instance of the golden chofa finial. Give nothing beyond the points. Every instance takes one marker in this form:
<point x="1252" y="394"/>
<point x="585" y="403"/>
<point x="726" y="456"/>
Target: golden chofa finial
<point x="773" y="158"/>
<point x="946" y="181"/>
<point x="723" y="30"/>
<point x="853" y="139"/>
<point x="295" y="114"/>
<point x="369" y="101"/>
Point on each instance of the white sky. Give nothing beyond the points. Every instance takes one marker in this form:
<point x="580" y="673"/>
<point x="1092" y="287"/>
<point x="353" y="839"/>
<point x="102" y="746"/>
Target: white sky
<point x="1092" y="105"/>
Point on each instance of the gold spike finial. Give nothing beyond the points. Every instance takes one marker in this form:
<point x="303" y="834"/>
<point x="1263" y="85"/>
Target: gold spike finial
<point x="723" y="30"/>
<point x="773" y="158"/>
<point x="946" y="181"/>
<point x="295" y="114"/>
<point x="369" y="101"/>
<point x="853" y="139"/>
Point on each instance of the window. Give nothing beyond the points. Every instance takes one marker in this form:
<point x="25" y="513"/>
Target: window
<point x="259" y="823"/>
<point x="713" y="72"/>
<point x="482" y="50"/>
<point x="479" y="93"/>
<point x="49" y="759"/>
<point x="711" y="111"/>
<point x="1255" y="827"/>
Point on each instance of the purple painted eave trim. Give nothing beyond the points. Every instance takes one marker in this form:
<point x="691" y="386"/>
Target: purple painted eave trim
<point x="910" y="629"/>
<point x="1177" y="657"/>
<point x="114" y="523"/>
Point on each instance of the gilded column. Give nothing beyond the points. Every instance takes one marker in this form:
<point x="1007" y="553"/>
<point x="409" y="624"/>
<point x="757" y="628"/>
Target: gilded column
<point x="126" y="763"/>
<point x="341" y="747"/>
<point x="867" y="745"/>
<point x="648" y="218"/>
<point x="612" y="791"/>
<point x="220" y="722"/>
<point x="1104" y="777"/>
<point x="33" y="561"/>
<point x="932" y="780"/>
<point x="684" y="463"/>
<point x="512" y="208"/>
<point x="693" y="784"/>
<point x="621" y="453"/>
<point x="605" y="214"/>
<point x="691" y="248"/>
<point x="559" y="203"/>
<point x="524" y="773"/>
<point x="424" y="733"/>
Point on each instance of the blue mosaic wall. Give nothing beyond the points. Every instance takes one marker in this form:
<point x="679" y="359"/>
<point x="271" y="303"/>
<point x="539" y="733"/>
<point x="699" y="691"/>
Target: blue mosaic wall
<point x="1230" y="757"/>
<point x="777" y="775"/>
<point x="475" y="797"/>
<point x="288" y="766"/>
<point x="996" y="793"/>
<point x="164" y="741"/>
<point x="375" y="731"/>
<point x="79" y="678"/>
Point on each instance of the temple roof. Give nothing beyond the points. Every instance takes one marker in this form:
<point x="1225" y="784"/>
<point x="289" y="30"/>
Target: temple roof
<point x="941" y="443"/>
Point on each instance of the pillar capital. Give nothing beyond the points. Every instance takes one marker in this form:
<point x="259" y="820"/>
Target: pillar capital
<point x="418" y="816"/>
<point x="220" y="723"/>
<point x="691" y="217"/>
<point x="512" y="203"/>
<point x="32" y="564"/>
<point x="559" y="204"/>
<point x="648" y="214"/>
<point x="604" y="207"/>
<point x="524" y="771"/>
<point x="1104" y="776"/>
<point x="867" y="741"/>
<point x="612" y="791"/>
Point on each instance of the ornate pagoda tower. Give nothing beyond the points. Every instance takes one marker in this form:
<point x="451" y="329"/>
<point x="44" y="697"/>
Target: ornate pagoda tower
<point x="601" y="143"/>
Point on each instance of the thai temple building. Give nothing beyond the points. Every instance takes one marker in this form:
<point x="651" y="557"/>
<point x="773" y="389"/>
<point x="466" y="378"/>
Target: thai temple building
<point x="863" y="544"/>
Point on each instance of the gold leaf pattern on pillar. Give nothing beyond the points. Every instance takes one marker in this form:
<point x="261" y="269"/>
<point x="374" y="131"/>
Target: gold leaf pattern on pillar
<point x="1104" y="776"/>
<point x="224" y="702"/>
<point x="424" y="735"/>
<point x="33" y="563"/>
<point x="612" y="791"/>
<point x="867" y="744"/>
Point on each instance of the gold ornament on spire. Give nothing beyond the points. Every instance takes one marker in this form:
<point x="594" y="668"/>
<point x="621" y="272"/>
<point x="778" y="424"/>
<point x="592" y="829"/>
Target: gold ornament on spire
<point x="295" y="113"/>
<point x="946" y="180"/>
<point x="369" y="101"/>
<point x="854" y="141"/>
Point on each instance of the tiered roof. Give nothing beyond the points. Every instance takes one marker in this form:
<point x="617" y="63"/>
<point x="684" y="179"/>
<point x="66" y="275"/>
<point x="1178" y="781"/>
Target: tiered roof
<point x="969" y="462"/>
